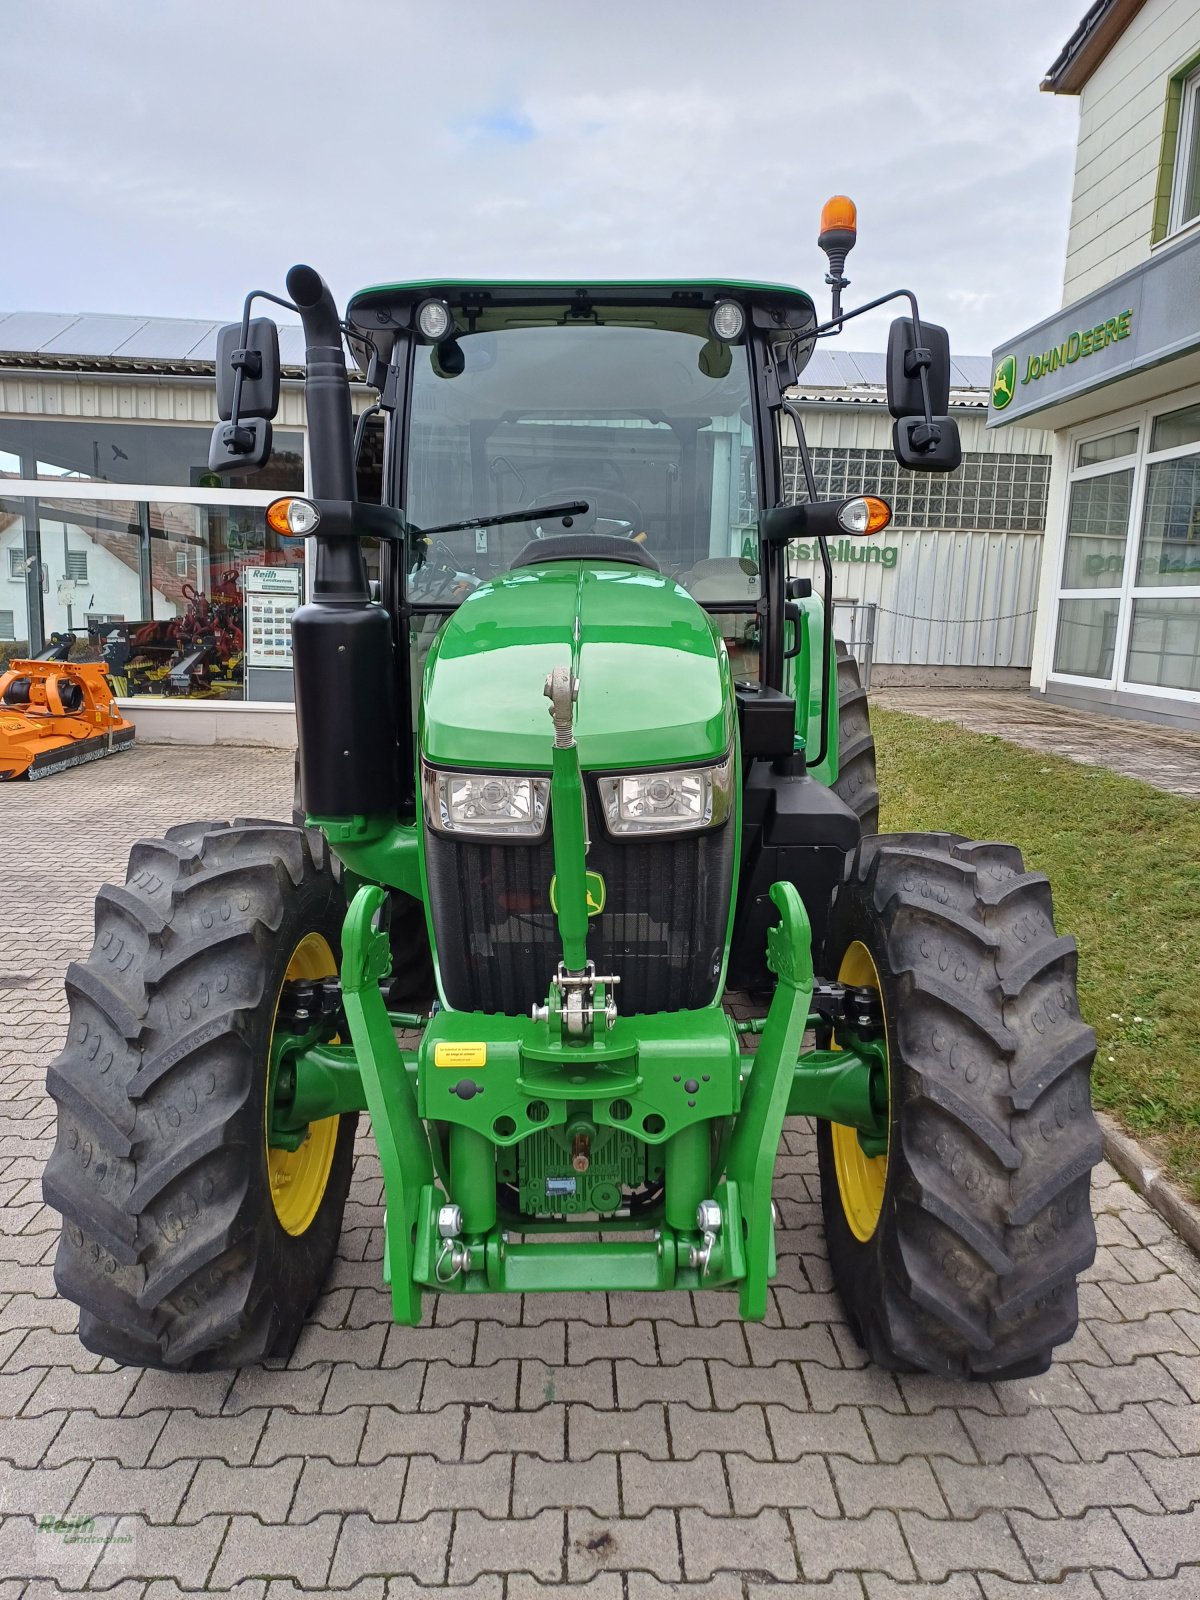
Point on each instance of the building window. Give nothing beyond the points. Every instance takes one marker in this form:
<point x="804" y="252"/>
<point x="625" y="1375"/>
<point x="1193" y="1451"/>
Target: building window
<point x="179" y="597"/>
<point x="16" y="564"/>
<point x="1087" y="637"/>
<point x="1097" y="531"/>
<point x="1129" y="598"/>
<point x="8" y="621"/>
<point x="61" y="450"/>
<point x="991" y="491"/>
<point x="1185" y="184"/>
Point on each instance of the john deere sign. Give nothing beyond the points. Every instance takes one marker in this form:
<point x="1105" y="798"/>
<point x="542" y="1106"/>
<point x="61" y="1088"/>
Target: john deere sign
<point x="1080" y="343"/>
<point x="1142" y="318"/>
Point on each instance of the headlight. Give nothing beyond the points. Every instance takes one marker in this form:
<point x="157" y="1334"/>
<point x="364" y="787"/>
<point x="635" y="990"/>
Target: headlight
<point x="683" y="801"/>
<point x="727" y="321"/>
<point x="487" y="804"/>
<point x="435" y="320"/>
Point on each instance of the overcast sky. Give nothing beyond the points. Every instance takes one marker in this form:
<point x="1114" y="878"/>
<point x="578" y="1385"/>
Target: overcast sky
<point x="163" y="158"/>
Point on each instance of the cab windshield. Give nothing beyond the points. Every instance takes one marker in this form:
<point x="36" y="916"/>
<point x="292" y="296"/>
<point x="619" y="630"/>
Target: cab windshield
<point x="645" y="418"/>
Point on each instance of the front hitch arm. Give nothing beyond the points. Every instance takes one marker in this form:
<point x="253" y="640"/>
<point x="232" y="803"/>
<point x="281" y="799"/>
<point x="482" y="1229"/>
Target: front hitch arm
<point x="754" y="1143"/>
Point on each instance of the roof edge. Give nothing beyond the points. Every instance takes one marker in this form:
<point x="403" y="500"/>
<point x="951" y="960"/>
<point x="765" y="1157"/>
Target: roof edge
<point x="1087" y="47"/>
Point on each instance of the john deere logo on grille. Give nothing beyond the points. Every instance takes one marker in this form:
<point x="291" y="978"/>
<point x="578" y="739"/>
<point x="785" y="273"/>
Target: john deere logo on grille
<point x="596" y="894"/>
<point x="1004" y="382"/>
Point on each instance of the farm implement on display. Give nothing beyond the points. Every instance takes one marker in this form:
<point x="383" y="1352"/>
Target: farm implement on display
<point x="198" y="653"/>
<point x="56" y="714"/>
<point x="584" y="762"/>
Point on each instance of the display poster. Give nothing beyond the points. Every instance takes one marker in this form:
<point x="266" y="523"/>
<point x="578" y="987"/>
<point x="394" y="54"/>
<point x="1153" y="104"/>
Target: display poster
<point x="271" y="594"/>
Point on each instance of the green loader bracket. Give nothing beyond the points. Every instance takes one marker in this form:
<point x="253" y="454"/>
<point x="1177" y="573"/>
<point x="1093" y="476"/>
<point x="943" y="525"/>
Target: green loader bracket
<point x="756" y="1133"/>
<point x="404" y="1152"/>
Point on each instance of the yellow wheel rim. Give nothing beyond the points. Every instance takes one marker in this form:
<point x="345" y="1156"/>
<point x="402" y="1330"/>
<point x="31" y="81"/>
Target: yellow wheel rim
<point x="299" y="1178"/>
<point x="860" y="1178"/>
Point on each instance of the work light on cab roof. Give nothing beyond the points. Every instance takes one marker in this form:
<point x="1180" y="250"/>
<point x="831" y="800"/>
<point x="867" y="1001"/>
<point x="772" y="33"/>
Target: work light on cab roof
<point x="520" y="964"/>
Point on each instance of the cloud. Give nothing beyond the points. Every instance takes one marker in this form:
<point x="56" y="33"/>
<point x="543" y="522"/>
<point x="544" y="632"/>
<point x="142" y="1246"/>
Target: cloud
<point x="165" y="168"/>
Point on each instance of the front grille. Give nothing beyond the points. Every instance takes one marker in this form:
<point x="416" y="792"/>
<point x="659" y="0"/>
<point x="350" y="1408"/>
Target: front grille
<point x="662" y="930"/>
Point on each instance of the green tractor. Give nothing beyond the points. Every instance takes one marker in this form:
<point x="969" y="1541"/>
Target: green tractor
<point x="580" y="766"/>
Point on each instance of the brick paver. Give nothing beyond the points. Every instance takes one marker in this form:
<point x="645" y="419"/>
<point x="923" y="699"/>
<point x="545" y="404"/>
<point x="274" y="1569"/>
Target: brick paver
<point x="1168" y="758"/>
<point x="624" y="1446"/>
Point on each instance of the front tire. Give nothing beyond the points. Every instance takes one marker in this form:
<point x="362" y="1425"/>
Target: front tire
<point x="186" y="1243"/>
<point x="958" y="1251"/>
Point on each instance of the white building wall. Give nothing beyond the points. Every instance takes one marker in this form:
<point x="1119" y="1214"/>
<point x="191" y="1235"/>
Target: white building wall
<point x="140" y="398"/>
<point x="1121" y="115"/>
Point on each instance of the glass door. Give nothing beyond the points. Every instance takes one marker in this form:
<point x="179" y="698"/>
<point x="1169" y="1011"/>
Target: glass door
<point x="1095" y="556"/>
<point x="1163" y="653"/>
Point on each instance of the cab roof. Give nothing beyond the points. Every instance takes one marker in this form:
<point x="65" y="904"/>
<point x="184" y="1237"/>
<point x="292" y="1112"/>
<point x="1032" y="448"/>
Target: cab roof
<point x="522" y="291"/>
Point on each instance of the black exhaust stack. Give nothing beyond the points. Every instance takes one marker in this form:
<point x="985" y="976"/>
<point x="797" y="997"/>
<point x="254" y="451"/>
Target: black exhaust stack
<point x="343" y="657"/>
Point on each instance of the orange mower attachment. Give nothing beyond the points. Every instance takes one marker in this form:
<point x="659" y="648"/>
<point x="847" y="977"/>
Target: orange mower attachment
<point x="57" y="714"/>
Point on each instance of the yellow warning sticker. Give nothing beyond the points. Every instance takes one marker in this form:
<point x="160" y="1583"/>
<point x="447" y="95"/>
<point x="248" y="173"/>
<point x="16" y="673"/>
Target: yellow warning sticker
<point x="447" y="1054"/>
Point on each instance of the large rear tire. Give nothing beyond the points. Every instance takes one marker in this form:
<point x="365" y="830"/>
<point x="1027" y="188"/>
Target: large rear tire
<point x="186" y="1243"/>
<point x="957" y="1252"/>
<point x="857" y="782"/>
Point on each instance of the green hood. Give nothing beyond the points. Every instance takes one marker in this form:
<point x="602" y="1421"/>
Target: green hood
<point x="654" y="684"/>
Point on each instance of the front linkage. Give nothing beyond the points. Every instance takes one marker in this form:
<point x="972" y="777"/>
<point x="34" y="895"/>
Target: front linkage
<point x="477" y="1084"/>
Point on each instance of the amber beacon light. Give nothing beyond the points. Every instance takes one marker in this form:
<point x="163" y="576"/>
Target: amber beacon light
<point x="839" y="215"/>
<point x="839" y="230"/>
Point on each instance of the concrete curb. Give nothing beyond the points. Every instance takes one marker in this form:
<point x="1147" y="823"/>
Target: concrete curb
<point x="1137" y="1168"/>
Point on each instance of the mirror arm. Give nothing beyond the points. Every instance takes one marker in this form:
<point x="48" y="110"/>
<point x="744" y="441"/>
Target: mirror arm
<point x="793" y="411"/>
<point x="835" y="326"/>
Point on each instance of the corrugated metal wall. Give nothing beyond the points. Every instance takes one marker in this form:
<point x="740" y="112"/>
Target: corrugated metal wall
<point x="944" y="597"/>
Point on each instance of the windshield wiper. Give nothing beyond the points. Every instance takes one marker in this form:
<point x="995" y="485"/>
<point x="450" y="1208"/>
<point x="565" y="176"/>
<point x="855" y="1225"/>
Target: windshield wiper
<point x="572" y="508"/>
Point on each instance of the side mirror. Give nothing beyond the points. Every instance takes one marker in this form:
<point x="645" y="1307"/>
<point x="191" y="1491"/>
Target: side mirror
<point x="247" y="396"/>
<point x="926" y="446"/>
<point x="905" y="358"/>
<point x="257" y="361"/>
<point x="923" y="440"/>
<point x="240" y="446"/>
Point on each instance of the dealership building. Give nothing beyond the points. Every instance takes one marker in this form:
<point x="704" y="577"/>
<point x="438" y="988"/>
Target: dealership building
<point x="1115" y="376"/>
<point x="111" y="522"/>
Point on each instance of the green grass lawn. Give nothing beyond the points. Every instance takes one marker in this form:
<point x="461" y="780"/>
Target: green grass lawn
<point x="1124" y="864"/>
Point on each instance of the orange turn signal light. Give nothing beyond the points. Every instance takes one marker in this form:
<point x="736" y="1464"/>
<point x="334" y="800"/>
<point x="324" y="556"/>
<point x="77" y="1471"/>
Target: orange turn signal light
<point x="839" y="214"/>
<point x="292" y="517"/>
<point x="879" y="513"/>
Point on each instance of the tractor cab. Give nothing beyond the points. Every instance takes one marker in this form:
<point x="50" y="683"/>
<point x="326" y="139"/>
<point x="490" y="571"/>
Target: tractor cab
<point x="627" y="418"/>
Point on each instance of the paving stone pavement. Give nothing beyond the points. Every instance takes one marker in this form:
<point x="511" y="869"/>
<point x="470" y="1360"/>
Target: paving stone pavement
<point x="1167" y="758"/>
<point x="624" y="1447"/>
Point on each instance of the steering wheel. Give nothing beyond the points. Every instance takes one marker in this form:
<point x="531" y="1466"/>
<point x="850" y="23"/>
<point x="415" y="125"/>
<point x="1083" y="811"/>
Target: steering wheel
<point x="602" y="502"/>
